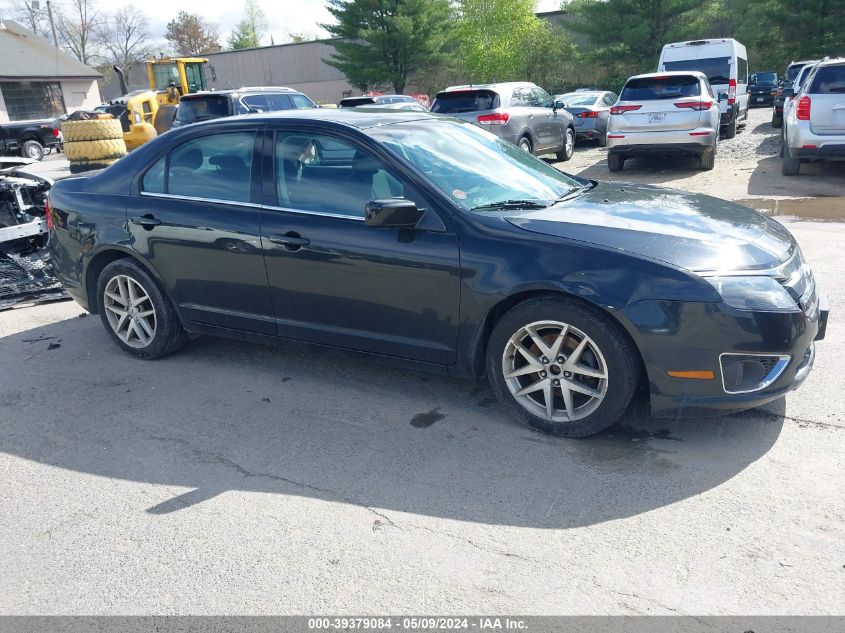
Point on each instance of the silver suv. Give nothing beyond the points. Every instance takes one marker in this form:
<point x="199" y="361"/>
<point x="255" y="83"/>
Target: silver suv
<point x="519" y="112"/>
<point x="814" y="123"/>
<point x="664" y="114"/>
<point x="202" y="106"/>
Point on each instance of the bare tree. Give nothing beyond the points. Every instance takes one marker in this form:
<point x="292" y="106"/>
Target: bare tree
<point x="78" y="23"/>
<point x="31" y="16"/>
<point x="124" y="38"/>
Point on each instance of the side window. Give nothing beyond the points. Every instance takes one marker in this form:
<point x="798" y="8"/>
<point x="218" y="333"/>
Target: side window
<point x="216" y="167"/>
<point x="256" y="102"/>
<point x="609" y="99"/>
<point x="301" y="102"/>
<point x="323" y="174"/>
<point x="279" y="102"/>
<point x="544" y="98"/>
<point x="742" y="71"/>
<point x="154" y="178"/>
<point x="532" y="98"/>
<point x="519" y="99"/>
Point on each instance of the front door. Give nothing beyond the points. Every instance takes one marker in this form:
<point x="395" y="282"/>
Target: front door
<point x="336" y="281"/>
<point x="197" y="221"/>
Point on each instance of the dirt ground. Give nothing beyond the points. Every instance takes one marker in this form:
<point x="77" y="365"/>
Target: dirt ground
<point x="747" y="165"/>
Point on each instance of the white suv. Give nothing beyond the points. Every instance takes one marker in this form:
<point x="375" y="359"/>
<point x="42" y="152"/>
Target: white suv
<point x="814" y="124"/>
<point x="664" y="114"/>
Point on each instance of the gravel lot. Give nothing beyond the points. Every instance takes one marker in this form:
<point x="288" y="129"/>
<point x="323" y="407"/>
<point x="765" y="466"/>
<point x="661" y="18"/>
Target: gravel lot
<point x="747" y="165"/>
<point x="233" y="478"/>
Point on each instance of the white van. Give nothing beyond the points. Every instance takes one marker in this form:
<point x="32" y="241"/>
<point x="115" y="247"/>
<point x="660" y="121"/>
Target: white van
<point x="725" y="63"/>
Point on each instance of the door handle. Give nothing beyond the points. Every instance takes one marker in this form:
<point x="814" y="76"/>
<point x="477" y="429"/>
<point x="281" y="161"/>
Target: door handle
<point x="530" y="116"/>
<point x="292" y="241"/>
<point x="146" y="221"/>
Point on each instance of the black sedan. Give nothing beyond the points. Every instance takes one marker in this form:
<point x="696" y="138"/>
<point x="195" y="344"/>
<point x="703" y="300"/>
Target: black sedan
<point x="427" y="241"/>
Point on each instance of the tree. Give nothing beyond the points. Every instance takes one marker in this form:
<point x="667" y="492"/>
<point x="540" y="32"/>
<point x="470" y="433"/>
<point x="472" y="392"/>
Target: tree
<point x="249" y="31"/>
<point x="124" y="38"/>
<point x="388" y="42"/>
<point x="77" y="24"/>
<point x="492" y="35"/>
<point x="36" y="20"/>
<point x="549" y="57"/>
<point x="189" y="35"/>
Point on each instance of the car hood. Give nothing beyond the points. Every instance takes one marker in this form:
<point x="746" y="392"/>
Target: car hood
<point x="691" y="231"/>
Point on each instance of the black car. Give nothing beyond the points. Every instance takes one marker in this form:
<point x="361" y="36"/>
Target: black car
<point x="426" y="240"/>
<point x="761" y="88"/>
<point x="30" y="139"/>
<point x="203" y="106"/>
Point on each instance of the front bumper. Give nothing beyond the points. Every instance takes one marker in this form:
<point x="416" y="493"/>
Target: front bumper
<point x="687" y="336"/>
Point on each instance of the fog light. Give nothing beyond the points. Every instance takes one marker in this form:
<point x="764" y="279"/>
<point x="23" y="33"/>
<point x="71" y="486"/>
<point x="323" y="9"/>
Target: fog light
<point x="744" y="373"/>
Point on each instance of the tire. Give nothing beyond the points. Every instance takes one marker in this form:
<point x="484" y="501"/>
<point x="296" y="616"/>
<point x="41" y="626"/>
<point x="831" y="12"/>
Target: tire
<point x="606" y="351"/>
<point x="568" y="146"/>
<point x="777" y="120"/>
<point x="707" y="160"/>
<point x="789" y="166"/>
<point x="164" y="118"/>
<point x="92" y="130"/>
<point x="615" y="162"/>
<point x="729" y="130"/>
<point x="82" y="167"/>
<point x="89" y="151"/>
<point x="32" y="149"/>
<point x="167" y="333"/>
<point x="602" y="140"/>
<point x="525" y="144"/>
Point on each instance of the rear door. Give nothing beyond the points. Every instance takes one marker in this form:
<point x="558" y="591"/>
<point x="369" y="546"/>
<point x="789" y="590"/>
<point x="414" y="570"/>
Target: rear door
<point x="827" y="100"/>
<point x="661" y="100"/>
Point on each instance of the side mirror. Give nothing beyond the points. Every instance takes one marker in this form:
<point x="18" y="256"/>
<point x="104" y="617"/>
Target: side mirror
<point x="392" y="213"/>
<point x="723" y="96"/>
<point x="559" y="105"/>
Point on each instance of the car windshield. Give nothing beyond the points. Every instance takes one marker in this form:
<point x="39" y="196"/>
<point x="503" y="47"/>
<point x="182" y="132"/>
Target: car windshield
<point x="764" y="78"/>
<point x="717" y="69"/>
<point x="660" y="87"/>
<point x="202" y="108"/>
<point x="577" y="100"/>
<point x="465" y="101"/>
<point x="474" y="168"/>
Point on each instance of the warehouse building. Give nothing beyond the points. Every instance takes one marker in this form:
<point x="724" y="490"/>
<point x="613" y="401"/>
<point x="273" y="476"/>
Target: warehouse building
<point x="38" y="81"/>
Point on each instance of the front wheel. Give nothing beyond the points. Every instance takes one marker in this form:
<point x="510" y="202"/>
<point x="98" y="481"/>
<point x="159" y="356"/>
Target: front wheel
<point x="136" y="312"/>
<point x="568" y="146"/>
<point x="561" y="367"/>
<point x="615" y="162"/>
<point x="32" y="149"/>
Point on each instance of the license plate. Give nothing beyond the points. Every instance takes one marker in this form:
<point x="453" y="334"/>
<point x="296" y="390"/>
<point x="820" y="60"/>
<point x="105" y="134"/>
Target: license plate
<point x="659" y="117"/>
<point x="759" y="98"/>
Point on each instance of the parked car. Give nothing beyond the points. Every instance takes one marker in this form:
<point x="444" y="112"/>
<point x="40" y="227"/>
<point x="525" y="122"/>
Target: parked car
<point x="724" y="62"/>
<point x="519" y="112"/>
<point x="664" y="114"/>
<point x="414" y="106"/>
<point x="590" y="111"/>
<point x="793" y="89"/>
<point x="202" y="106"/>
<point x="30" y="139"/>
<point x="761" y="88"/>
<point x="786" y="84"/>
<point x="814" y="124"/>
<point x="354" y="102"/>
<point x="428" y="241"/>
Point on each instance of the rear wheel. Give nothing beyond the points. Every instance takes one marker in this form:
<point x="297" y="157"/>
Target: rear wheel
<point x="561" y="367"/>
<point x="790" y="166"/>
<point x="602" y="139"/>
<point x="777" y="120"/>
<point x="525" y="144"/>
<point x="136" y="312"/>
<point x="32" y="149"/>
<point x="729" y="130"/>
<point x="615" y="162"/>
<point x="568" y="145"/>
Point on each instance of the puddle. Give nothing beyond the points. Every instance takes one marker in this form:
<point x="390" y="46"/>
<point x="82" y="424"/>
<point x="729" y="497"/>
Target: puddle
<point x="830" y="209"/>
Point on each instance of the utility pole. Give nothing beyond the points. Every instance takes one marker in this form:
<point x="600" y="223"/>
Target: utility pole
<point x="52" y="24"/>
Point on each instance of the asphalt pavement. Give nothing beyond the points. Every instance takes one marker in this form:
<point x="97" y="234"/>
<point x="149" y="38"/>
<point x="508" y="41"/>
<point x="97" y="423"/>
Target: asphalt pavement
<point x="236" y="478"/>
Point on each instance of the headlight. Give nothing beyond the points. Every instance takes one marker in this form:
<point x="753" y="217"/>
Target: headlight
<point x="753" y="293"/>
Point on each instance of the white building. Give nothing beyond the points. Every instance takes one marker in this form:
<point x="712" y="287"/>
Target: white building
<point x="38" y="81"/>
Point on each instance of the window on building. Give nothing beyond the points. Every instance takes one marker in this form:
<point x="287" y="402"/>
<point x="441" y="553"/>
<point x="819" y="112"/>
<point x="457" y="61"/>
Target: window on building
<point x="27" y="100"/>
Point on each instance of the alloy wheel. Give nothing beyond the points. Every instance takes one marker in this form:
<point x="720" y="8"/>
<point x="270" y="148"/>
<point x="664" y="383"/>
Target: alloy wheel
<point x="569" y="148"/>
<point x="130" y="311"/>
<point x="555" y="371"/>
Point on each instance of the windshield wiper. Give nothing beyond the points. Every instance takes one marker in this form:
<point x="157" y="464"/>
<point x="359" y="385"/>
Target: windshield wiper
<point x="576" y="191"/>
<point x="513" y="204"/>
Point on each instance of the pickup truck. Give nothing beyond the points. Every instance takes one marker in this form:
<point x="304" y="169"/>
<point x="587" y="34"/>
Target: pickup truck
<point x="30" y="139"/>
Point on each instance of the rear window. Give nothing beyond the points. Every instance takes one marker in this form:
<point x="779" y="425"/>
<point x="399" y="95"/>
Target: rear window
<point x="829" y="80"/>
<point x="465" y="101"/>
<point x="647" y="88"/>
<point x="792" y="72"/>
<point x="351" y="102"/>
<point x="203" y="108"/>
<point x="577" y="100"/>
<point x="717" y="69"/>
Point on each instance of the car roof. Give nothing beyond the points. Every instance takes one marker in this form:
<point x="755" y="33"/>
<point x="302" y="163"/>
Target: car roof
<point x="583" y="93"/>
<point x="670" y="73"/>
<point x="351" y="117"/>
<point x="495" y="87"/>
<point x="240" y="91"/>
<point x="832" y="61"/>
